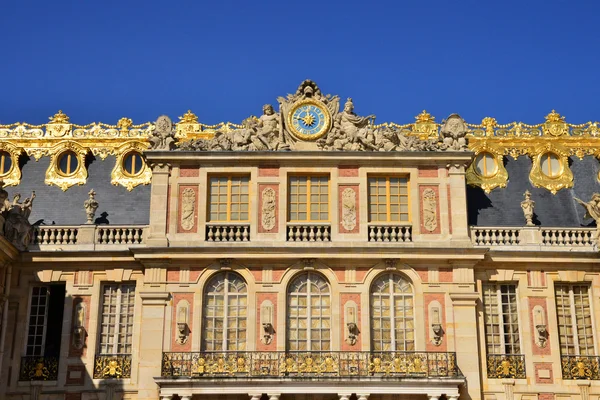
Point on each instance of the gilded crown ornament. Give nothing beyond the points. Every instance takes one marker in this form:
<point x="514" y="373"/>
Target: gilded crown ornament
<point x="424" y="117"/>
<point x="188" y="118"/>
<point x="59" y="118"/>
<point x="124" y="124"/>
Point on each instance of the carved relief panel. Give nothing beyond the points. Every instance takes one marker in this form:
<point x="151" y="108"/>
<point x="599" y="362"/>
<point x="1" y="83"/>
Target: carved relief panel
<point x="268" y="208"/>
<point x="430" y="210"/>
<point x="188" y="209"/>
<point x="348" y="209"/>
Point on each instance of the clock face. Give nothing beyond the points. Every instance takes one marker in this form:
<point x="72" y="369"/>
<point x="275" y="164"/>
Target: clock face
<point x="309" y="120"/>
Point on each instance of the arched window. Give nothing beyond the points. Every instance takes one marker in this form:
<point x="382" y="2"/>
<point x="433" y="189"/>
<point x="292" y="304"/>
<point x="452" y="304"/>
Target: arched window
<point x="392" y="314"/>
<point x="309" y="314"/>
<point x="225" y="303"/>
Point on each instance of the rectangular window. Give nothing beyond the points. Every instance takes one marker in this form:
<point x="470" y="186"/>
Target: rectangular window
<point x="116" y="328"/>
<point x="45" y="320"/>
<point x="574" y="315"/>
<point x="388" y="199"/>
<point x="229" y="199"/>
<point x="501" y="319"/>
<point x="309" y="199"/>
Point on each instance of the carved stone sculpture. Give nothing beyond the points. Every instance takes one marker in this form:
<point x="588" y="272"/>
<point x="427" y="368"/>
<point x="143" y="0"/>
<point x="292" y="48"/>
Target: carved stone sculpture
<point x="4" y="206"/>
<point x="188" y="202"/>
<point x="91" y="205"/>
<point x="323" y="127"/>
<point x="429" y="210"/>
<point x="163" y="136"/>
<point x="527" y="205"/>
<point x="268" y="209"/>
<point x="349" y="209"/>
<point x="453" y="133"/>
<point x="351" y="132"/>
<point x="593" y="211"/>
<point x="17" y="228"/>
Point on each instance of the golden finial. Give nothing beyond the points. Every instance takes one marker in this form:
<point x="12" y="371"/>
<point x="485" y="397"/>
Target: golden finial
<point x="489" y="123"/>
<point x="554" y="117"/>
<point x="124" y="124"/>
<point x="59" y="118"/>
<point x="188" y="118"/>
<point x="424" y="117"/>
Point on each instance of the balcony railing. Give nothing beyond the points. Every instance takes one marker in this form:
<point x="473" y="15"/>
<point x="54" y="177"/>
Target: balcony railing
<point x="112" y="366"/>
<point x="310" y="364"/>
<point x="580" y="367"/>
<point x="506" y="366"/>
<point x="308" y="232"/>
<point x="390" y="233"/>
<point x="38" y="368"/>
<point x="228" y="232"/>
<point x="52" y="237"/>
<point x="534" y="237"/>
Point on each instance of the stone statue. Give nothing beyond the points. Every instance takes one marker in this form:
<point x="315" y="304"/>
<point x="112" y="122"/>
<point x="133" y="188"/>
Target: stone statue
<point x="17" y="228"/>
<point x="453" y="133"/>
<point x="91" y="205"/>
<point x="163" y="136"/>
<point x="593" y="211"/>
<point x="4" y="206"/>
<point x="351" y="132"/>
<point x="527" y="205"/>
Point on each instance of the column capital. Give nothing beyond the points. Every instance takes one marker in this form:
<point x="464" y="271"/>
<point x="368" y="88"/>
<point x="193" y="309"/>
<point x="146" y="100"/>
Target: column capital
<point x="362" y="396"/>
<point x="254" y="396"/>
<point x="155" y="298"/>
<point x="274" y="396"/>
<point x="433" y="396"/>
<point x="464" y="299"/>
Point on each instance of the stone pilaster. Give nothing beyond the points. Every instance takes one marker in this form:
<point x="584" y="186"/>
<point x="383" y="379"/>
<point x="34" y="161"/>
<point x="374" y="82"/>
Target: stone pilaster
<point x="151" y="340"/>
<point x="158" y="205"/>
<point x="458" y="202"/>
<point x="466" y="339"/>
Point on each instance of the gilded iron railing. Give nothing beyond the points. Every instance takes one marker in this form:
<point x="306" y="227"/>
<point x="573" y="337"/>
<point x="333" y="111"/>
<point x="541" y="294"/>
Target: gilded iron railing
<point x="38" y="368"/>
<point x="506" y="366"/>
<point x="257" y="364"/>
<point x="112" y="366"/>
<point x="580" y="367"/>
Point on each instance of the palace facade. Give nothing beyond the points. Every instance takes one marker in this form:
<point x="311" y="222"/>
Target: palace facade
<point x="309" y="253"/>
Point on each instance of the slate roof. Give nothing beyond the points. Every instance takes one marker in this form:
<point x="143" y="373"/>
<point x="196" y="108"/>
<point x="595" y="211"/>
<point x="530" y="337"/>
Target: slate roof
<point x="502" y="207"/>
<point x="53" y="206"/>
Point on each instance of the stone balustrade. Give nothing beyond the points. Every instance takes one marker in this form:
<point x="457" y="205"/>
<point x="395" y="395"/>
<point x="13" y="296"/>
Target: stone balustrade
<point x="87" y="237"/>
<point x="55" y="235"/>
<point x="390" y="233"/>
<point x="228" y="232"/>
<point x="308" y="232"/>
<point x="534" y="238"/>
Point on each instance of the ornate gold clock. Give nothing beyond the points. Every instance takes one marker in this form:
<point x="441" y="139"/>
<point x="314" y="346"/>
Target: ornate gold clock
<point x="309" y="119"/>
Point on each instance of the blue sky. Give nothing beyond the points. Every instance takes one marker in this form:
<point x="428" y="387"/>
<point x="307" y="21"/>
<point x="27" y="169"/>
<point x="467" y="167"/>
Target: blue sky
<point x="101" y="60"/>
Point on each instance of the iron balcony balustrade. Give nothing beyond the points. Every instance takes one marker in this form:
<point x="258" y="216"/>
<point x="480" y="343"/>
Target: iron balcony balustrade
<point x="580" y="367"/>
<point x="506" y="366"/>
<point x="323" y="364"/>
<point x="112" y="366"/>
<point x="38" y="368"/>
